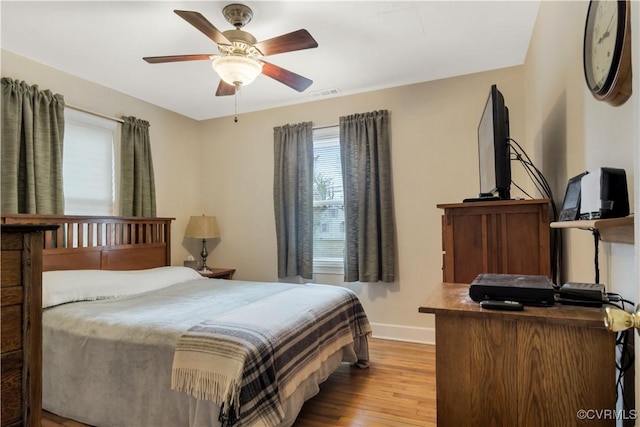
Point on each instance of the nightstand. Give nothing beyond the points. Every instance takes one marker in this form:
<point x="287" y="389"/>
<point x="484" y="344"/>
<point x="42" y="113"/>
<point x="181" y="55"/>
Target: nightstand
<point x="219" y="273"/>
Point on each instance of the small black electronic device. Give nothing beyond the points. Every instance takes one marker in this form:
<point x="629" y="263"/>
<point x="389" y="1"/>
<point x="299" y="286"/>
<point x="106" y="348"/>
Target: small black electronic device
<point x="588" y="294"/>
<point x="525" y="289"/>
<point x="571" y="203"/>
<point x="502" y="305"/>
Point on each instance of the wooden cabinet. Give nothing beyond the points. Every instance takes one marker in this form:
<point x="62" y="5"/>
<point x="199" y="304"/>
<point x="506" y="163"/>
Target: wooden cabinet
<point x="504" y="237"/>
<point x="537" y="367"/>
<point x="21" y="317"/>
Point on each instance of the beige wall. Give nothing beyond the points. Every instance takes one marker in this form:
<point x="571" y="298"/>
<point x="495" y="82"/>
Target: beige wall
<point x="223" y="168"/>
<point x="573" y="132"/>
<point x="434" y="160"/>
<point x="570" y="132"/>
<point x="174" y="139"/>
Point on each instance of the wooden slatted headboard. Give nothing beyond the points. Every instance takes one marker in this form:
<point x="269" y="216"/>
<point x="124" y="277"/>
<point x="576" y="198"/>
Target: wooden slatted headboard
<point x="105" y="243"/>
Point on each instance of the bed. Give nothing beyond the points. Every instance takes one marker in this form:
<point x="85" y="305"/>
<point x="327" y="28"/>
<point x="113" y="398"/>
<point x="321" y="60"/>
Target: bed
<point x="130" y="340"/>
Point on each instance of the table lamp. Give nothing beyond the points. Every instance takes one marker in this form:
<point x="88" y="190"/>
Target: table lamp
<point x="203" y="227"/>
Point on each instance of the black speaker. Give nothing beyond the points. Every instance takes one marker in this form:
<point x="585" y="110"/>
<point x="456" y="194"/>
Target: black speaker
<point x="604" y="194"/>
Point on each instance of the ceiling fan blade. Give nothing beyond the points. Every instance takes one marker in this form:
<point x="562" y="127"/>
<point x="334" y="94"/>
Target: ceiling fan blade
<point x="225" y="89"/>
<point x="289" y="78"/>
<point x="202" y="24"/>
<point x="176" y="58"/>
<point x="296" y="40"/>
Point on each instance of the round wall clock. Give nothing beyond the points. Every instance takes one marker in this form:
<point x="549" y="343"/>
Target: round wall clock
<point x="607" y="50"/>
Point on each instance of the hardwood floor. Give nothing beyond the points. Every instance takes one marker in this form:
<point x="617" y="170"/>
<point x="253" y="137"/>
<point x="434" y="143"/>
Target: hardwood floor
<point x="397" y="390"/>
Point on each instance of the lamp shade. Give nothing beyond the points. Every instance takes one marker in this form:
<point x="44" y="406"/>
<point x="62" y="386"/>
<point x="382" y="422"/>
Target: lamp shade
<point x="237" y="69"/>
<point x="202" y="227"/>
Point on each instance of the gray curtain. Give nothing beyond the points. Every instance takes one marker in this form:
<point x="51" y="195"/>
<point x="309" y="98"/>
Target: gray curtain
<point x="32" y="137"/>
<point x="293" y="199"/>
<point x="138" y="190"/>
<point x="370" y="247"/>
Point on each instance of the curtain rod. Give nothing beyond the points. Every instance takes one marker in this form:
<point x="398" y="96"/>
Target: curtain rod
<point x="93" y="113"/>
<point x="325" y="127"/>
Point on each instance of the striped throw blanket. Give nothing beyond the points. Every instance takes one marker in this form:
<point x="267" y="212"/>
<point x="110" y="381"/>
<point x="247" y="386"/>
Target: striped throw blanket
<point x="251" y="359"/>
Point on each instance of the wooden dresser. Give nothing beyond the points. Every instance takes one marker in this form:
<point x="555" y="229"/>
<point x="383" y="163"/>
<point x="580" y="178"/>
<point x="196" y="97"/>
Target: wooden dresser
<point x="21" y="317"/>
<point x="503" y="237"/>
<point x="537" y="367"/>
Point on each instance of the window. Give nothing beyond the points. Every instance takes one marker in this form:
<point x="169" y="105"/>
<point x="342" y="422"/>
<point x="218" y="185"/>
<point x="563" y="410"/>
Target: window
<point x="88" y="164"/>
<point x="328" y="202"/>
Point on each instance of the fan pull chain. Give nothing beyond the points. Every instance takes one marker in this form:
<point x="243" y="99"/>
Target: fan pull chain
<point x="235" y="107"/>
<point x="235" y="102"/>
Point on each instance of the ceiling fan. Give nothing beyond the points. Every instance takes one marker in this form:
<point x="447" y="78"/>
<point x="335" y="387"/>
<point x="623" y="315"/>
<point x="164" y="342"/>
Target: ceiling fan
<point x="240" y="59"/>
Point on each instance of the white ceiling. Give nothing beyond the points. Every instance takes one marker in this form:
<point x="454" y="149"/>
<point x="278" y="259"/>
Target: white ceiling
<point x="363" y="45"/>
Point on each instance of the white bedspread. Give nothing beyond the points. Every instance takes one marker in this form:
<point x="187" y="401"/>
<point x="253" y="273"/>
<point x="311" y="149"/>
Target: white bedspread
<point x="108" y="362"/>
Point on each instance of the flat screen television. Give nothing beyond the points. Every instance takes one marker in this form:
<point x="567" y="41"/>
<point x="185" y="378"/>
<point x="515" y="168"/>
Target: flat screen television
<point x="494" y="148"/>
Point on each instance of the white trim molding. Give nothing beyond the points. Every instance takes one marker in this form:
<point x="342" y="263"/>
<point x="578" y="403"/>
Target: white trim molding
<point x="404" y="333"/>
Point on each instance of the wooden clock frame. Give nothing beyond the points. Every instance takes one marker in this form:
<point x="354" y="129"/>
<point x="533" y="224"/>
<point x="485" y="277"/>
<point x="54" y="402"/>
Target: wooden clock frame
<point x="617" y="87"/>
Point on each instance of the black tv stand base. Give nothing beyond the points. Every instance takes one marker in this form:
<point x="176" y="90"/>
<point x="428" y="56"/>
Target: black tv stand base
<point x="482" y="199"/>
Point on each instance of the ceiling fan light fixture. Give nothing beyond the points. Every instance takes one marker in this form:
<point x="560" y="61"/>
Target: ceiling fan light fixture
<point x="237" y="70"/>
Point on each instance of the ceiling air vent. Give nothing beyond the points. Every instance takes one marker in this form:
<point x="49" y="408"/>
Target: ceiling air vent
<point x="326" y="92"/>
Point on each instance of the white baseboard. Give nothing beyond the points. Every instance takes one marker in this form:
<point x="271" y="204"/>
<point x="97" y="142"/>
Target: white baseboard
<point x="404" y="333"/>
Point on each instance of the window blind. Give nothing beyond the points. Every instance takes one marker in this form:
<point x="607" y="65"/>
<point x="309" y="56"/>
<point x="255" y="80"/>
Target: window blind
<point x="328" y="200"/>
<point x="88" y="164"/>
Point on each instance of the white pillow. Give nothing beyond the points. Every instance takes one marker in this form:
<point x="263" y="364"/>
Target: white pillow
<point x="63" y="286"/>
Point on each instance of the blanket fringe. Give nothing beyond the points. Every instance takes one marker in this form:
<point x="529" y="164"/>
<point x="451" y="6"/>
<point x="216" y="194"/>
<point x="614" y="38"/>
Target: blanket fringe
<point x="212" y="386"/>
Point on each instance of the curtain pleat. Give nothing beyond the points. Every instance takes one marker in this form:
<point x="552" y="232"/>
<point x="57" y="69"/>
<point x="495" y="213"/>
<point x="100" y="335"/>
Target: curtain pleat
<point x="370" y="241"/>
<point x="138" y="193"/>
<point x="32" y="146"/>
<point x="293" y="199"/>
